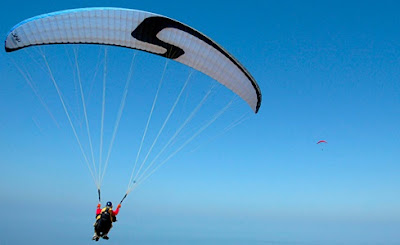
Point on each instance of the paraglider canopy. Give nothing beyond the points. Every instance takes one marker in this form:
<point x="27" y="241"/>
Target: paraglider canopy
<point x="140" y="30"/>
<point x="322" y="141"/>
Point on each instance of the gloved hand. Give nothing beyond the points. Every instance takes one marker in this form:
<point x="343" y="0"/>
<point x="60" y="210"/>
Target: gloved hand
<point x="119" y="205"/>
<point x="98" y="205"/>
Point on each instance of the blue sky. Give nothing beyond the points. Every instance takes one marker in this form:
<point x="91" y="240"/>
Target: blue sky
<point x="327" y="70"/>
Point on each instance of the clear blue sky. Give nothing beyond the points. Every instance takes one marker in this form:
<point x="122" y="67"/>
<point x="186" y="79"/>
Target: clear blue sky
<point x="327" y="71"/>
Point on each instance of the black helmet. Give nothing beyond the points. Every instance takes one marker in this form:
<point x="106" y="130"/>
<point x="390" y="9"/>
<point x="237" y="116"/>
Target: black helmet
<point x="109" y="204"/>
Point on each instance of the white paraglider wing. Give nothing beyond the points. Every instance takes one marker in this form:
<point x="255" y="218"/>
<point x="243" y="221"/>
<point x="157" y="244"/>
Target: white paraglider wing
<point x="138" y="30"/>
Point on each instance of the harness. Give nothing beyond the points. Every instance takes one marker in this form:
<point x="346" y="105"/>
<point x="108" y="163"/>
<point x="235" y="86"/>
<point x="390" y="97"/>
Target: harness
<point x="104" y="221"/>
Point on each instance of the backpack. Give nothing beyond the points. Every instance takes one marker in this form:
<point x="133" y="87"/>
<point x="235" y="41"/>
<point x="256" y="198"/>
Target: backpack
<point x="105" y="215"/>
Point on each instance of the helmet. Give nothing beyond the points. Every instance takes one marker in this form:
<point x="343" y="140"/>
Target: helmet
<point x="109" y="204"/>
